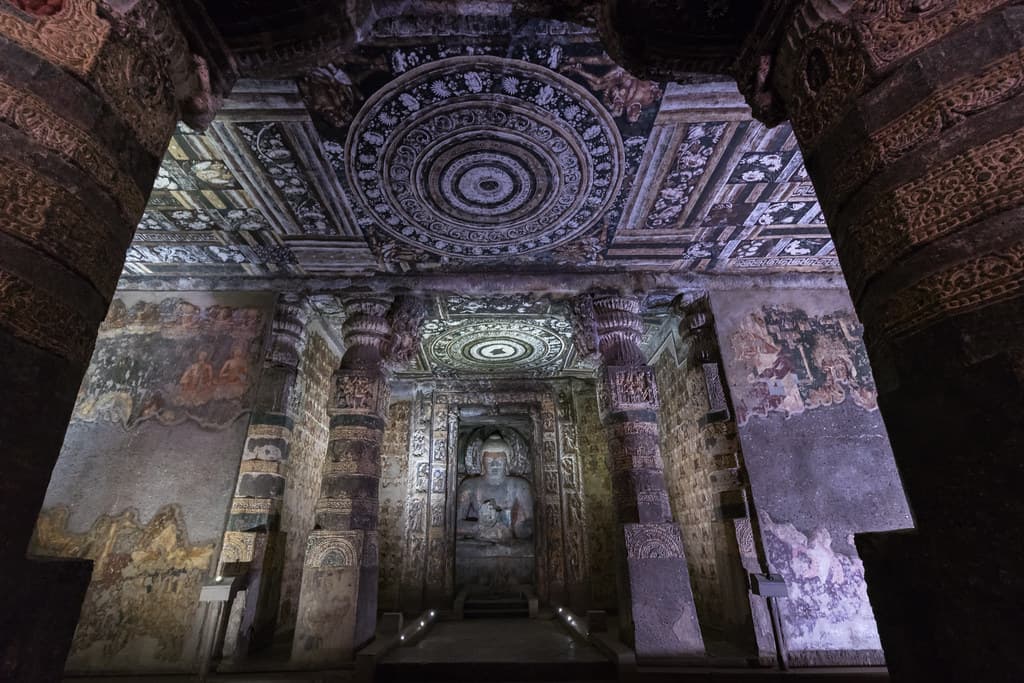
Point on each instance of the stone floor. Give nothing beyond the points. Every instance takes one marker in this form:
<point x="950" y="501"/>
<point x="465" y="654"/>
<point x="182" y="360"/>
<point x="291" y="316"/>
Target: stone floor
<point x="508" y="650"/>
<point x="497" y="640"/>
<point x="496" y="649"/>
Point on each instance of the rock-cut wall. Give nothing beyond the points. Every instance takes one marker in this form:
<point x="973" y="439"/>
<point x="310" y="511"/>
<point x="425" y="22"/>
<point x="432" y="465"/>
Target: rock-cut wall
<point x="700" y="458"/>
<point x="145" y="477"/>
<point x="817" y="455"/>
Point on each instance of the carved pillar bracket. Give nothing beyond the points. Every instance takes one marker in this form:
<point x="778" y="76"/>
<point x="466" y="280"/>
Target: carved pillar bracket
<point x="406" y="318"/>
<point x="654" y="582"/>
<point x="699" y="327"/>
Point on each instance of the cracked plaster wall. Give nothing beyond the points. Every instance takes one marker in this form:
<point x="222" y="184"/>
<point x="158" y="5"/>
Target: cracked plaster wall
<point x="817" y="456"/>
<point x="145" y="477"/>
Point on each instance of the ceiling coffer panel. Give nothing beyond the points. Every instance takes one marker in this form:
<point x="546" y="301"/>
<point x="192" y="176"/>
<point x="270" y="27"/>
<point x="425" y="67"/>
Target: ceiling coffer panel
<point x="483" y="157"/>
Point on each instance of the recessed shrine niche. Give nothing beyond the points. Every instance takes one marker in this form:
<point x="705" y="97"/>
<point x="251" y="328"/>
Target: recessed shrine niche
<point x="447" y="529"/>
<point x="494" y="512"/>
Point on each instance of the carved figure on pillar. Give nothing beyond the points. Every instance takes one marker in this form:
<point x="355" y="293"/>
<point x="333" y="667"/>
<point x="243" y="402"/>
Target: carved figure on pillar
<point x="338" y="601"/>
<point x="698" y="325"/>
<point x="654" y="580"/>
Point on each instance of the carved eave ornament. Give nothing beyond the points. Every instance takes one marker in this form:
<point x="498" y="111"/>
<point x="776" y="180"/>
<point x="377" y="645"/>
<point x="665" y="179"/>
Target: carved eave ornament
<point x="179" y="33"/>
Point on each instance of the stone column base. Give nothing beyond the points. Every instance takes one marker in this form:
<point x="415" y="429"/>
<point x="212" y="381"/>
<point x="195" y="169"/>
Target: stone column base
<point x="325" y="628"/>
<point x="38" y="615"/>
<point x="663" y="612"/>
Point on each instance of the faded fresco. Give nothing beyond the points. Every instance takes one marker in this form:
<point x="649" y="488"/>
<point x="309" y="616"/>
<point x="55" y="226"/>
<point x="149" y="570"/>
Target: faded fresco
<point x="146" y="473"/>
<point x="146" y="578"/>
<point x="817" y="456"/>
<point x="825" y="584"/>
<point x="797" y="362"/>
<point x="172" y="361"/>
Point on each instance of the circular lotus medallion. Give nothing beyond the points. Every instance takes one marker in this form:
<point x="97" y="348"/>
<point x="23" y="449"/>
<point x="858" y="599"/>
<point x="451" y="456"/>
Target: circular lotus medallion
<point x="484" y="157"/>
<point x="497" y="346"/>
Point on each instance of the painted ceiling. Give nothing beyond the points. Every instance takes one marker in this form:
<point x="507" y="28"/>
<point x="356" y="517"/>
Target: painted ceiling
<point x="519" y="149"/>
<point x="504" y="336"/>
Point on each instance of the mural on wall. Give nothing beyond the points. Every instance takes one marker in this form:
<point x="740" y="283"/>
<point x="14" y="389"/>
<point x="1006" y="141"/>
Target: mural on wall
<point x="172" y="361"/>
<point x="827" y="607"/>
<point x="819" y="464"/>
<point x="145" y="585"/>
<point x="797" y="362"/>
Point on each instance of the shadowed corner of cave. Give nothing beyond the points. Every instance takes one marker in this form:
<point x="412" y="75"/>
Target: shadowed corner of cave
<point x="609" y="340"/>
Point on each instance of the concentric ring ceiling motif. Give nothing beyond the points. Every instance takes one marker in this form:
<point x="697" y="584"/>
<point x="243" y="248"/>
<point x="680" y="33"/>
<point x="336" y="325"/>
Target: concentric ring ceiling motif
<point x="480" y="157"/>
<point x="500" y="346"/>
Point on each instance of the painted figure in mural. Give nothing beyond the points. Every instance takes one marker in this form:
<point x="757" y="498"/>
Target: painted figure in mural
<point x="495" y="507"/>
<point x="197" y="380"/>
<point x="623" y="94"/>
<point x="774" y="380"/>
<point x="235" y="369"/>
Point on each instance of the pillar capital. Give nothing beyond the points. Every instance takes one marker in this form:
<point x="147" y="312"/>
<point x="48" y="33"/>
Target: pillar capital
<point x="181" y="39"/>
<point x="366" y="332"/>
<point x="610" y="326"/>
<point x="288" y="331"/>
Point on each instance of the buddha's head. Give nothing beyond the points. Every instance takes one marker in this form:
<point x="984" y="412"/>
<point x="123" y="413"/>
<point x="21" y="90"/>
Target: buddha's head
<point x="494" y="459"/>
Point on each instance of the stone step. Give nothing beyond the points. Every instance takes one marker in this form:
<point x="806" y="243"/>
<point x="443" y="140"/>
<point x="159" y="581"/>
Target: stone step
<point x="496" y="607"/>
<point x="504" y="672"/>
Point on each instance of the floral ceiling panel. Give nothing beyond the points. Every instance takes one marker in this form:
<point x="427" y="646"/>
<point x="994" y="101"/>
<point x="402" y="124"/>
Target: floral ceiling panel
<point x="507" y="335"/>
<point x="521" y="149"/>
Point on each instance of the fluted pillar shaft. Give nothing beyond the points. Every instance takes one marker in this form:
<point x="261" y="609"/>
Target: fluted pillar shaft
<point x="338" y="602"/>
<point x="657" y="609"/>
<point x="89" y="97"/>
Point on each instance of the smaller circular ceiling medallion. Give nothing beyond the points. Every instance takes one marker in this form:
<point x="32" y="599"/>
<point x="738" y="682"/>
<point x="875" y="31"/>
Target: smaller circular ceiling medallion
<point x="481" y="157"/>
<point x="497" y="346"/>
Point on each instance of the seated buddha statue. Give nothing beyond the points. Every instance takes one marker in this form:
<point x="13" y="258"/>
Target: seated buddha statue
<point x="494" y="506"/>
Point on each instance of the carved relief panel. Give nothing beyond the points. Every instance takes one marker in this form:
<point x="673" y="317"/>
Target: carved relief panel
<point x="541" y="461"/>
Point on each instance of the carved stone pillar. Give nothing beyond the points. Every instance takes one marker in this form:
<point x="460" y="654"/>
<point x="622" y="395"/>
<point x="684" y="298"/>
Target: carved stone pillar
<point x="911" y="121"/>
<point x="88" y="101"/>
<point x="253" y="543"/>
<point x="656" y="601"/>
<point x="338" y="602"/>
